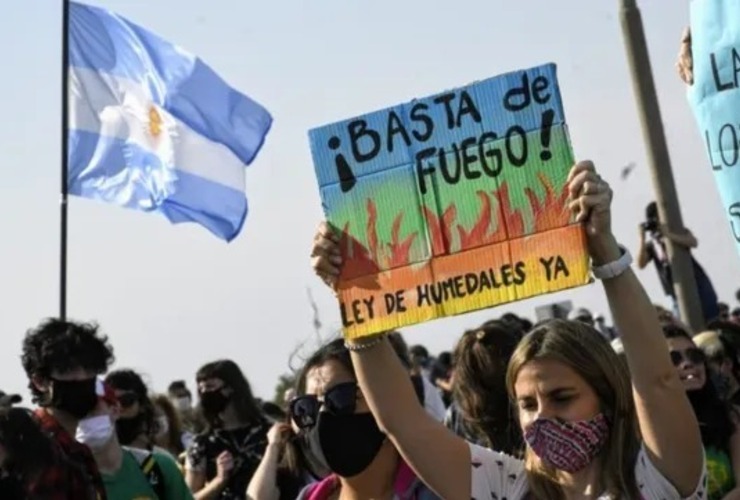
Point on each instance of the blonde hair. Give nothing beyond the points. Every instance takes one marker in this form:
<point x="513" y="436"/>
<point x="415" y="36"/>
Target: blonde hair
<point x="585" y="351"/>
<point x="710" y="342"/>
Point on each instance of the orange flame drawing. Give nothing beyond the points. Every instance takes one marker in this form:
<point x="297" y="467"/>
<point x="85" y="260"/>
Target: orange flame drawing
<point x="549" y="213"/>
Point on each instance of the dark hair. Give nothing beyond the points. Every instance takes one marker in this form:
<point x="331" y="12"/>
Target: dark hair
<point x="713" y="414"/>
<point x="729" y="329"/>
<point x="731" y="354"/>
<point x="29" y="448"/>
<point x="444" y="360"/>
<point x="130" y="381"/>
<point x="401" y="348"/>
<point x="651" y="211"/>
<point x="63" y="346"/>
<point x="174" y="432"/>
<point x="479" y="390"/>
<point x="418" y="351"/>
<point x="179" y="385"/>
<point x="331" y="351"/>
<point x="245" y="405"/>
<point x="294" y="458"/>
<point x="509" y="317"/>
<point x="526" y="325"/>
<point x="512" y="322"/>
<point x="724" y="350"/>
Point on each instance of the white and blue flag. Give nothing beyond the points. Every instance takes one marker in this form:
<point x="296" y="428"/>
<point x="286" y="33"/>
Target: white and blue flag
<point x="151" y="127"/>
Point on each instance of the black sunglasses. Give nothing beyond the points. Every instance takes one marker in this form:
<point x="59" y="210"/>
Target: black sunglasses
<point x="339" y="400"/>
<point x="693" y="355"/>
<point x="127" y="399"/>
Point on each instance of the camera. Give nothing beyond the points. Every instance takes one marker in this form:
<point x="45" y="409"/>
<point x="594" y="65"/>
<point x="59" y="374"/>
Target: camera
<point x="651" y="225"/>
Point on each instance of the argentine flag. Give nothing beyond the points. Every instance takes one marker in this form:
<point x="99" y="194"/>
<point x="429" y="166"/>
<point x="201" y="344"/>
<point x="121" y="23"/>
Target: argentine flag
<point x="151" y="127"/>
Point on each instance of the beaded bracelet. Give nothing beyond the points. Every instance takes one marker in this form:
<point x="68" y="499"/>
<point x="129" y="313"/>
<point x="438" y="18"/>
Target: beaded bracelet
<point x="364" y="346"/>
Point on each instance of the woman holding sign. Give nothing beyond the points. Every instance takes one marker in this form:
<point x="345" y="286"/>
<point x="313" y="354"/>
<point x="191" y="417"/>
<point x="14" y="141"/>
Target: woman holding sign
<point x="579" y="418"/>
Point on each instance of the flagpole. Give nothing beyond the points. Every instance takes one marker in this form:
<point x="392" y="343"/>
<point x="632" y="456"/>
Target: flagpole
<point x="65" y="160"/>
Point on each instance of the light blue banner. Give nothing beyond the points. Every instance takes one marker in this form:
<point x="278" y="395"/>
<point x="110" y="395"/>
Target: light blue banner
<point x="715" y="96"/>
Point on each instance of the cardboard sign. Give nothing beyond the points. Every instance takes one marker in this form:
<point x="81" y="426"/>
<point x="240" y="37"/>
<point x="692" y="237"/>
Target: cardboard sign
<point x="451" y="203"/>
<point x="715" y="96"/>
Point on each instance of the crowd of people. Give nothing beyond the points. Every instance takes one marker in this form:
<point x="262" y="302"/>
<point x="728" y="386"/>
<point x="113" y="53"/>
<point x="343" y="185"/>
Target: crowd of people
<point x="562" y="409"/>
<point x="565" y="408"/>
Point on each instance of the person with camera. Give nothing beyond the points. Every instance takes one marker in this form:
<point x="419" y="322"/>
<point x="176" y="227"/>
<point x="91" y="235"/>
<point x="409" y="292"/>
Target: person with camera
<point x="653" y="235"/>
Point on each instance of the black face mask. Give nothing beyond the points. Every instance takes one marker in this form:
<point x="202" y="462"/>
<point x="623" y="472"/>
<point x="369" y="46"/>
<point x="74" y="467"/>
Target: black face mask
<point x="76" y="397"/>
<point x="214" y="402"/>
<point x="347" y="443"/>
<point x="128" y="429"/>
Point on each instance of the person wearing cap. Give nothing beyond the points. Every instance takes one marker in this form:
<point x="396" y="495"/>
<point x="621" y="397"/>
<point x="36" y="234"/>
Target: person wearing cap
<point x="63" y="360"/>
<point x="128" y="473"/>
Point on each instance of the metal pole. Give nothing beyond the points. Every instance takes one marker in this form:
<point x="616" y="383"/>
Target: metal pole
<point x="65" y="161"/>
<point x="659" y="161"/>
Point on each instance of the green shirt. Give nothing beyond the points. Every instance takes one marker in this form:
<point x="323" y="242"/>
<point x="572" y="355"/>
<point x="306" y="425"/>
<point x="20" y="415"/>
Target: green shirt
<point x="130" y="483"/>
<point x="719" y="473"/>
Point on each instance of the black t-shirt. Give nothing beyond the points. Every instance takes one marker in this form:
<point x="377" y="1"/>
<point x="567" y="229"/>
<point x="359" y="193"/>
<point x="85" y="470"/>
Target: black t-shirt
<point x="247" y="446"/>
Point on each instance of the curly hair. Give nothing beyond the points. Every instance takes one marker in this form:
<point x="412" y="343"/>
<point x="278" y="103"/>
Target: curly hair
<point x="62" y="346"/>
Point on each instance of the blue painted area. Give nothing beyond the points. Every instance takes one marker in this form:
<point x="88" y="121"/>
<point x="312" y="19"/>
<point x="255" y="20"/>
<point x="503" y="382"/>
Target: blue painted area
<point x="459" y="118"/>
<point x="715" y="96"/>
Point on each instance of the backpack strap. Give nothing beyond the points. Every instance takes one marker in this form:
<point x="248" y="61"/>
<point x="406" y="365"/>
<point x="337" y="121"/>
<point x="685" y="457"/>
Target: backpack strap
<point x="150" y="468"/>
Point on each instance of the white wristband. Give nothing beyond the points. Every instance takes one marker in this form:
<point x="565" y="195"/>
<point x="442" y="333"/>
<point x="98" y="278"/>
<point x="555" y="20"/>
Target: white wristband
<point x="615" y="268"/>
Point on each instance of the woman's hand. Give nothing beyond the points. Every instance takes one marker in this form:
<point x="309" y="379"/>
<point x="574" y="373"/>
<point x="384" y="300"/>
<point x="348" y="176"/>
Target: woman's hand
<point x="326" y="258"/>
<point x="590" y="201"/>
<point x="685" y="62"/>
<point x="224" y="466"/>
<point x="277" y="434"/>
<point x="685" y="239"/>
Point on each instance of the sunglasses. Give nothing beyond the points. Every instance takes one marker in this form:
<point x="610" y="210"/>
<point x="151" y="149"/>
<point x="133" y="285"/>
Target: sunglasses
<point x="692" y="355"/>
<point x="339" y="400"/>
<point x="127" y="399"/>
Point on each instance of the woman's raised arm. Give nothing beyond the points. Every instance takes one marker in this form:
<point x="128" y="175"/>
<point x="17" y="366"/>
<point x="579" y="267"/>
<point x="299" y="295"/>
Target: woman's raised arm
<point x="667" y="421"/>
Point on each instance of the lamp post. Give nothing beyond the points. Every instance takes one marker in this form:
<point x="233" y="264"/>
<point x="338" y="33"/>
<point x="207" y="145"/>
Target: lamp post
<point x="659" y="161"/>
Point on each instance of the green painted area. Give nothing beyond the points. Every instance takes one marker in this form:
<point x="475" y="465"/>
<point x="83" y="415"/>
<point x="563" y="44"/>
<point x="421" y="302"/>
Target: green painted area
<point x="397" y="192"/>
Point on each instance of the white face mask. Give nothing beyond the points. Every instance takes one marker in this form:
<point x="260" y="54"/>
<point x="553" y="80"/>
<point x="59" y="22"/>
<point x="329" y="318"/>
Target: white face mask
<point x="163" y="426"/>
<point x="95" y="432"/>
<point x="183" y="403"/>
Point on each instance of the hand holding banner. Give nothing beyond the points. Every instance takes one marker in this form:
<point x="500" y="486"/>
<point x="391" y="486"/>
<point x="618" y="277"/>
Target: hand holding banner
<point x="451" y="203"/>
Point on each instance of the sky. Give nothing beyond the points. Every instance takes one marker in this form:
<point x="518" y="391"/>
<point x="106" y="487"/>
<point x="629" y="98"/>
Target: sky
<point x="172" y="298"/>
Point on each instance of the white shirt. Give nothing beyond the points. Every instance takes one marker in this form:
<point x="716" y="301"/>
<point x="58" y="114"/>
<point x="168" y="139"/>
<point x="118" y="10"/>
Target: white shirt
<point x="497" y="475"/>
<point x="433" y="403"/>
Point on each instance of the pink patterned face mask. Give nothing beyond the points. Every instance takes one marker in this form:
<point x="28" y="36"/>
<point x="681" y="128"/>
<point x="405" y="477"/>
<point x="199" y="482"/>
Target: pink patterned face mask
<point x="567" y="446"/>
